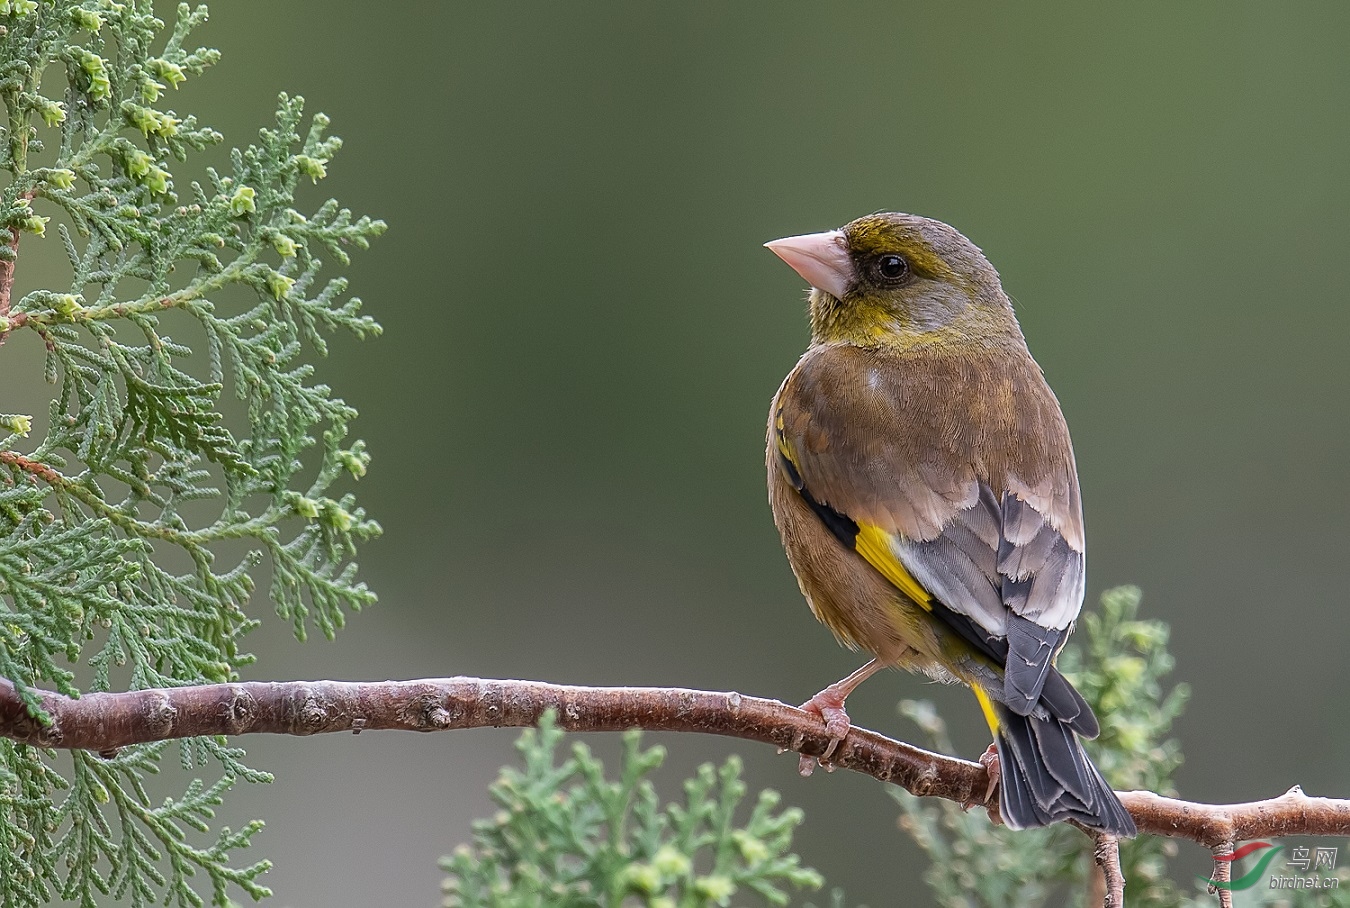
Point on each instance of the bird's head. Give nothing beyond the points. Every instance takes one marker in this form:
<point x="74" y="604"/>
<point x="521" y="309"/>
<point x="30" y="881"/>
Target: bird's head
<point x="898" y="279"/>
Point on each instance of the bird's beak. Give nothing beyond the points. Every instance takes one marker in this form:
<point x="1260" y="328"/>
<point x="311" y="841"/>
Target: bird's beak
<point x="820" y="258"/>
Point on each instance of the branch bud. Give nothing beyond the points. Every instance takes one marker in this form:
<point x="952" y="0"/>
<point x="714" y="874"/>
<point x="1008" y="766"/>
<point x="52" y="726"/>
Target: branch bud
<point x="311" y="167"/>
<point x="279" y="284"/>
<point x="100" y="89"/>
<point x="60" y="178"/>
<point x="169" y="72"/>
<point x="86" y="19"/>
<point x="284" y="245"/>
<point x="241" y="203"/>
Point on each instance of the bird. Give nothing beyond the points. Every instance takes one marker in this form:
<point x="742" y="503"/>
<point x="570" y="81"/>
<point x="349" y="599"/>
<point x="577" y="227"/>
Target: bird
<point x="922" y="479"/>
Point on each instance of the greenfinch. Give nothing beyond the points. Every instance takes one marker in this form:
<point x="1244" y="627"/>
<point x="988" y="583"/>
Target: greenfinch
<point x="923" y="481"/>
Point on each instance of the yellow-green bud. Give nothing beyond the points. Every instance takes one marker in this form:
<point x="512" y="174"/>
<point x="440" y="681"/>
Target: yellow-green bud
<point x="752" y="849"/>
<point x="150" y="121"/>
<point x="66" y="304"/>
<point x="305" y="507"/>
<point x="138" y="164"/>
<point x="143" y="118"/>
<point x="157" y="181"/>
<point x="716" y="888"/>
<point x="60" y="178"/>
<point x="53" y="113"/>
<point x="169" y="72"/>
<point x="1127" y="668"/>
<point x="671" y="862"/>
<point x="17" y="423"/>
<point x="34" y="224"/>
<point x="642" y="878"/>
<point x="337" y="517"/>
<point x="241" y="203"/>
<point x="356" y="460"/>
<point x="284" y="245"/>
<point x="17" y="7"/>
<point x="86" y="19"/>
<point x="92" y="64"/>
<point x="150" y="90"/>
<point x="279" y="284"/>
<point x="311" y="167"/>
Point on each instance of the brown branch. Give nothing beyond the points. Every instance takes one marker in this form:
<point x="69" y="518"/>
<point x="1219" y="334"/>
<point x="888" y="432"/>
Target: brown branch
<point x="1220" y="825"/>
<point x="40" y="470"/>
<point x="1106" y="852"/>
<point x="1223" y="871"/>
<point x="104" y="722"/>
<point x="7" y="263"/>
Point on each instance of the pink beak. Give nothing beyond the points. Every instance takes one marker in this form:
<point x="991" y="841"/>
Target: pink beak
<point x="820" y="258"/>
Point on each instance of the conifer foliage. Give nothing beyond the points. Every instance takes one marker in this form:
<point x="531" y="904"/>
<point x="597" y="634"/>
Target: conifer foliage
<point x="568" y="836"/>
<point x="188" y="445"/>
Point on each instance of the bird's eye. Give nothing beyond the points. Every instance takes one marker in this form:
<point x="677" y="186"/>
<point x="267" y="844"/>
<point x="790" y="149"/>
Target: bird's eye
<point x="891" y="268"/>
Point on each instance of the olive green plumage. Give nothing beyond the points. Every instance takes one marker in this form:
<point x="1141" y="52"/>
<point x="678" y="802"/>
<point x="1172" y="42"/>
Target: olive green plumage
<point x="923" y="481"/>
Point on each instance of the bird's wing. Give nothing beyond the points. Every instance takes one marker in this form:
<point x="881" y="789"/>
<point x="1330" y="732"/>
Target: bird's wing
<point x="956" y="481"/>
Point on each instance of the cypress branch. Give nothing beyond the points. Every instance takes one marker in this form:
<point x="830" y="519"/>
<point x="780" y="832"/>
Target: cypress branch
<point x="115" y="503"/>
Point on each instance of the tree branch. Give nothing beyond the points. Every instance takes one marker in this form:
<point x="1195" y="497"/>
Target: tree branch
<point x="105" y="721"/>
<point x="40" y="470"/>
<point x="1106" y="852"/>
<point x="8" y="258"/>
<point x="1223" y="873"/>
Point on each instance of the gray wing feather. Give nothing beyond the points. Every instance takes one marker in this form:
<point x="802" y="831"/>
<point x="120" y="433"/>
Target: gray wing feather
<point x="1001" y="564"/>
<point x="960" y="566"/>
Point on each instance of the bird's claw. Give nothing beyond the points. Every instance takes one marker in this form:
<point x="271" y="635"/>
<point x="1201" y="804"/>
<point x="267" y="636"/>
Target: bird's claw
<point x="831" y="711"/>
<point x="989" y="760"/>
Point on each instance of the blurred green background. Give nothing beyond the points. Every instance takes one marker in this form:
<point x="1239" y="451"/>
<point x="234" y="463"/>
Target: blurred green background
<point x="582" y="335"/>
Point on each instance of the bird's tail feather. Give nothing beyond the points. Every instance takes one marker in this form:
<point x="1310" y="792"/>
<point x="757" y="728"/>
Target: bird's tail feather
<point x="1047" y="777"/>
<point x="1066" y="703"/>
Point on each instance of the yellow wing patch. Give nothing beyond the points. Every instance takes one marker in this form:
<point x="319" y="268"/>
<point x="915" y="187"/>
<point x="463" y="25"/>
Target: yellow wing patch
<point x="783" y="447"/>
<point x="987" y="707"/>
<point x="874" y="544"/>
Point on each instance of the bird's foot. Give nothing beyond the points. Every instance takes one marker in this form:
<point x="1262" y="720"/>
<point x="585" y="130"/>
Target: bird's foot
<point x="989" y="760"/>
<point x="829" y="705"/>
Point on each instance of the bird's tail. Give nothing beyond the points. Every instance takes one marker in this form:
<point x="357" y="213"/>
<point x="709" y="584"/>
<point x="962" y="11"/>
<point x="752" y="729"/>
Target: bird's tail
<point x="1047" y="776"/>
